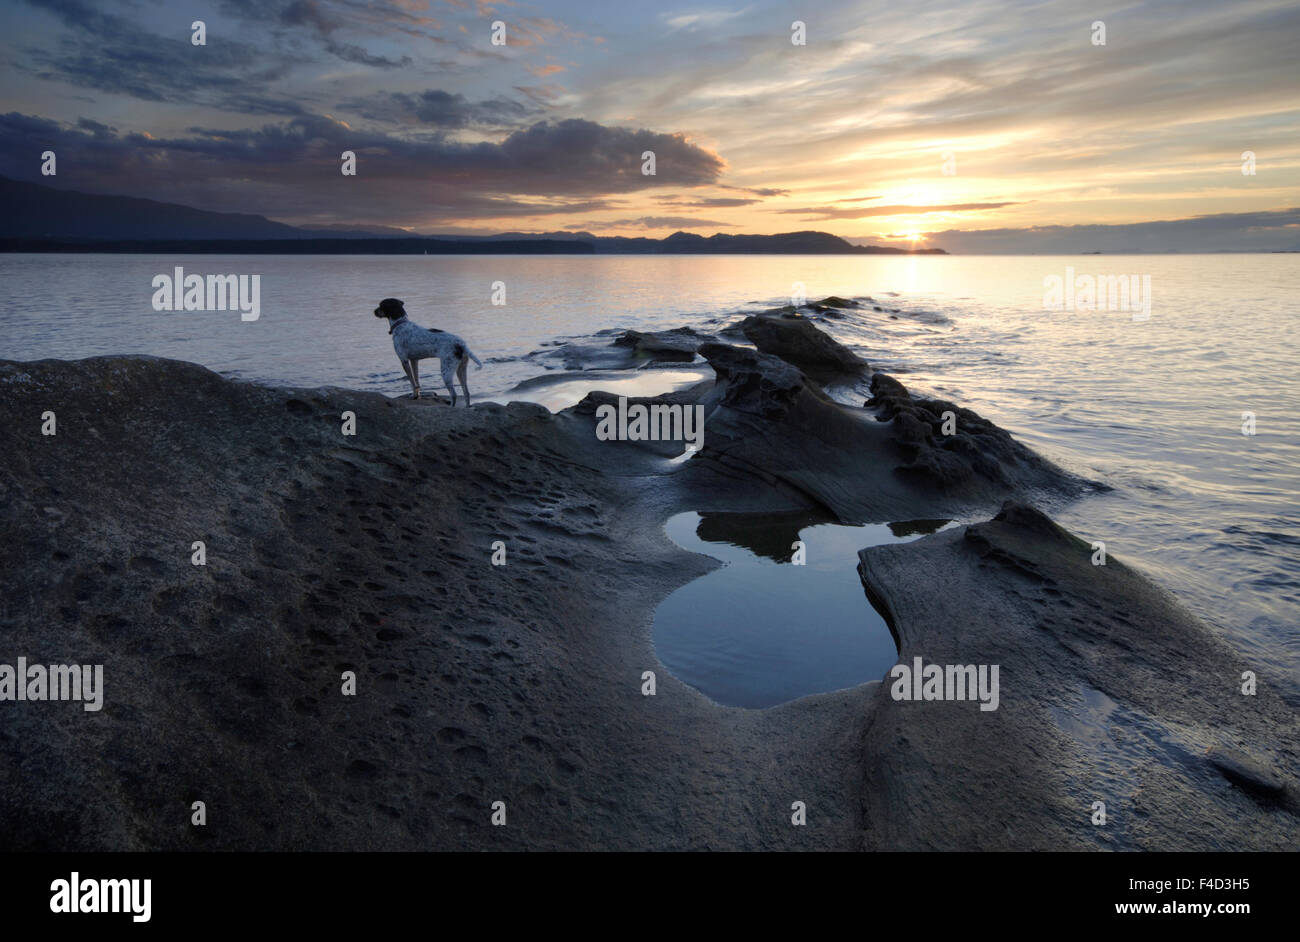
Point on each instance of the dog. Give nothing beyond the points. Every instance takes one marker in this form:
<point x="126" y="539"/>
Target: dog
<point x="414" y="343"/>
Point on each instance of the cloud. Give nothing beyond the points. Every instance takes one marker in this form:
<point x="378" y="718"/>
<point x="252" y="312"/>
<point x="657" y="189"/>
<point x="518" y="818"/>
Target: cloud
<point x="110" y="53"/>
<point x="1270" y="230"/>
<point x="441" y="109"/>
<point x="297" y="13"/>
<point x="703" y="18"/>
<point x="764" y="191"/>
<point x="589" y="157"/>
<point x="1030" y="108"/>
<point x="324" y="18"/>
<point x="716" y="202"/>
<point x="350" y="52"/>
<point x="542" y="95"/>
<point x="490" y="207"/>
<point x="291" y="169"/>
<point x="535" y="30"/>
<point x="825" y="212"/>
<point x="1147" y="127"/>
<point x="118" y="53"/>
<point x="652" y="222"/>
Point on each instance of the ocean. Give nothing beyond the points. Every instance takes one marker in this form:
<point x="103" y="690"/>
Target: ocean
<point x="1152" y="403"/>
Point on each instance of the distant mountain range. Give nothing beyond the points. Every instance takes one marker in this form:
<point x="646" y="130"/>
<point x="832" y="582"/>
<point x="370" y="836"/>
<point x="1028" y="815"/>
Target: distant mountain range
<point x="35" y="218"/>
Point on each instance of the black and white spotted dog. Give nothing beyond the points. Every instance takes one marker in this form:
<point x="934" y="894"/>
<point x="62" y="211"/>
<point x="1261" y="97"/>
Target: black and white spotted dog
<point x="414" y="343"/>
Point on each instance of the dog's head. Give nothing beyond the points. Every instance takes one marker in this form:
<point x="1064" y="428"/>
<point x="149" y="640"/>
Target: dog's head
<point x="390" y="308"/>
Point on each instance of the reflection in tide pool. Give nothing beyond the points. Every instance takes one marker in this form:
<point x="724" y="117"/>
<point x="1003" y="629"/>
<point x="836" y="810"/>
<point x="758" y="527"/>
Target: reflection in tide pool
<point x="557" y="392"/>
<point x="762" y="630"/>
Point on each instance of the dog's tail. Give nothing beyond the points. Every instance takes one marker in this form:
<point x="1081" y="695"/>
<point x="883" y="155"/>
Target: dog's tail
<point x="463" y="351"/>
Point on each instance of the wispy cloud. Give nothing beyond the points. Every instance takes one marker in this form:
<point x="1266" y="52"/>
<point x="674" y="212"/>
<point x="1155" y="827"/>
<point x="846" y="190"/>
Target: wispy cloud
<point x="1242" y="232"/>
<point x="701" y="19"/>
<point x="652" y="222"/>
<point x="831" y="212"/>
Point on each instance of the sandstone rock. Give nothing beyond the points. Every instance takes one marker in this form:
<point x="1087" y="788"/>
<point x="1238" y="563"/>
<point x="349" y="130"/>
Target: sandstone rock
<point x="1108" y="686"/>
<point x="765" y="416"/>
<point x="678" y="344"/>
<point x="799" y="342"/>
<point x="977" y="447"/>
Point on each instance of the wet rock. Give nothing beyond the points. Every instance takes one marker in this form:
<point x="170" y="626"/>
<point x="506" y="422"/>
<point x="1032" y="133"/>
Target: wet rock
<point x="577" y="356"/>
<point x="1247" y="772"/>
<point x="976" y="447"/>
<point x="754" y="383"/>
<point x="679" y="344"/>
<point x="835" y="301"/>
<point x="799" y="342"/>
<point x="766" y="417"/>
<point x="1020" y="591"/>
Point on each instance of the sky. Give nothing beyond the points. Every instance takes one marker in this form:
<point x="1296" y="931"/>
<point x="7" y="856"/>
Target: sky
<point x="980" y="126"/>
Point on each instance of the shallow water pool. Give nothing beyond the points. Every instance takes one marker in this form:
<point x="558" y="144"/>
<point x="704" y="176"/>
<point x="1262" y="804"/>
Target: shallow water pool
<point x="559" y="391"/>
<point x="763" y="629"/>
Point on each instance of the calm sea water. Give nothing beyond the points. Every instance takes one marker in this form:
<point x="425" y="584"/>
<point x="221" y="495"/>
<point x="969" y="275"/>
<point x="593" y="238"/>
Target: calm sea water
<point x="1152" y="408"/>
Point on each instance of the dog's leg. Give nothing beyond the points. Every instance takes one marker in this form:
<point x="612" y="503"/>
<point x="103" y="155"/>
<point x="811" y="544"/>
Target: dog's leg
<point x="406" y="368"/>
<point x="415" y="379"/>
<point x="460" y="375"/>
<point x="448" y="375"/>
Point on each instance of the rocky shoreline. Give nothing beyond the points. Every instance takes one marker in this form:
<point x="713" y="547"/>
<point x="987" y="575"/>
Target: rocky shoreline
<point x="522" y="683"/>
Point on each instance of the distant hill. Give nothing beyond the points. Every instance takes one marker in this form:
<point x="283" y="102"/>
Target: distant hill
<point x="35" y="217"/>
<point x="807" y="242"/>
<point x="34" y="211"/>
<point x="298" y="246"/>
